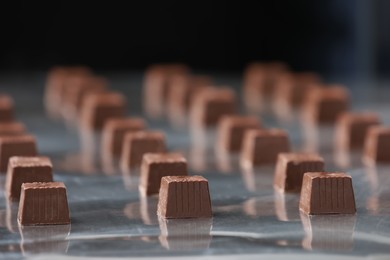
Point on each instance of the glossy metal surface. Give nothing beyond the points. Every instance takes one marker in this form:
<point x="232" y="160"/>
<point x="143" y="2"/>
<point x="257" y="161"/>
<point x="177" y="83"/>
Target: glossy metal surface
<point x="109" y="219"/>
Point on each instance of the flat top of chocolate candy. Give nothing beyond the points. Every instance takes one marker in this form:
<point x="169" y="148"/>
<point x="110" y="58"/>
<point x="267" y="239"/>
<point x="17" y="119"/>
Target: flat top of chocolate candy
<point x="195" y="178"/>
<point x="106" y="98"/>
<point x="325" y="175"/>
<point x="379" y="130"/>
<point x="145" y="135"/>
<point x="43" y="185"/>
<point x="164" y="157"/>
<point x="29" y="161"/>
<point x="300" y="157"/>
<point x="363" y="117"/>
<point x="266" y="132"/>
<point x="15" y="126"/>
<point x="17" y="139"/>
<point x="118" y="123"/>
<point x="236" y="120"/>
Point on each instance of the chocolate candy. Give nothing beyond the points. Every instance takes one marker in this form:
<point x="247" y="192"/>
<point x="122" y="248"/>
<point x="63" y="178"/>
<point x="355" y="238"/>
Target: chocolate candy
<point x="211" y="104"/>
<point x="12" y="128"/>
<point x="99" y="107"/>
<point x="158" y="80"/>
<point x="325" y="105"/>
<point x="291" y="88"/>
<point x="261" y="147"/>
<point x="291" y="167"/>
<point x="260" y="82"/>
<point x="183" y="88"/>
<point x="231" y="131"/>
<point x="77" y="88"/>
<point x="157" y="165"/>
<point x="6" y="108"/>
<point x="184" y="197"/>
<point x="114" y="131"/>
<point x="351" y="129"/>
<point x="327" y="193"/>
<point x="23" y="145"/>
<point x="56" y="84"/>
<point x="377" y="145"/>
<point x="136" y="144"/>
<point x="43" y="203"/>
<point x="27" y="169"/>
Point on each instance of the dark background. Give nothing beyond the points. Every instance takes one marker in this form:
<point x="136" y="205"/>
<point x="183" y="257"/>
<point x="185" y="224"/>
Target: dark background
<point x="348" y="37"/>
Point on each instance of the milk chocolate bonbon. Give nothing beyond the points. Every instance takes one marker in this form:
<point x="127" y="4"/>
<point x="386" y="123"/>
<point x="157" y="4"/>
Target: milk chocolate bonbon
<point x="23" y="145"/>
<point x="157" y="165"/>
<point x="291" y="167"/>
<point x="22" y="169"/>
<point x="184" y="197"/>
<point x="43" y="203"/>
<point x="327" y="193"/>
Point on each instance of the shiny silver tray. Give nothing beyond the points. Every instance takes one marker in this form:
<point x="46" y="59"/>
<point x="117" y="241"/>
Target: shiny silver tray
<point x="251" y="220"/>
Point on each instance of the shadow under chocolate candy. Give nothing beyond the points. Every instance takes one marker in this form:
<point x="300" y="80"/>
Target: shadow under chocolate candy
<point x="328" y="232"/>
<point x="44" y="239"/>
<point x="185" y="234"/>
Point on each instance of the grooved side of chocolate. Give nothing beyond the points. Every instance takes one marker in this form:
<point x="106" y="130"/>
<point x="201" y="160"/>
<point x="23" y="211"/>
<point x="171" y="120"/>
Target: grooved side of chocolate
<point x="6" y="108"/>
<point x="351" y="129"/>
<point x="327" y="193"/>
<point x="231" y="131"/>
<point x="12" y="128"/>
<point x="155" y="166"/>
<point x="291" y="167"/>
<point x="325" y="105"/>
<point x="184" y="197"/>
<point x="261" y="147"/>
<point x="27" y="169"/>
<point x="377" y="144"/>
<point x="100" y="107"/>
<point x="136" y="144"/>
<point x="23" y="145"/>
<point x="43" y="203"/>
<point x="114" y="131"/>
<point x="211" y="104"/>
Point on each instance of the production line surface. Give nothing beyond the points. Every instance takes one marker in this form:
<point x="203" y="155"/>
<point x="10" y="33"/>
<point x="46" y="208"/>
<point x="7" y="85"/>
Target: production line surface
<point x="109" y="219"/>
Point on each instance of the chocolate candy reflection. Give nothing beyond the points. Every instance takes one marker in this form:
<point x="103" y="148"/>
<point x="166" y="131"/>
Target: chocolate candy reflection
<point x="185" y="234"/>
<point x="44" y="239"/>
<point x="328" y="232"/>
